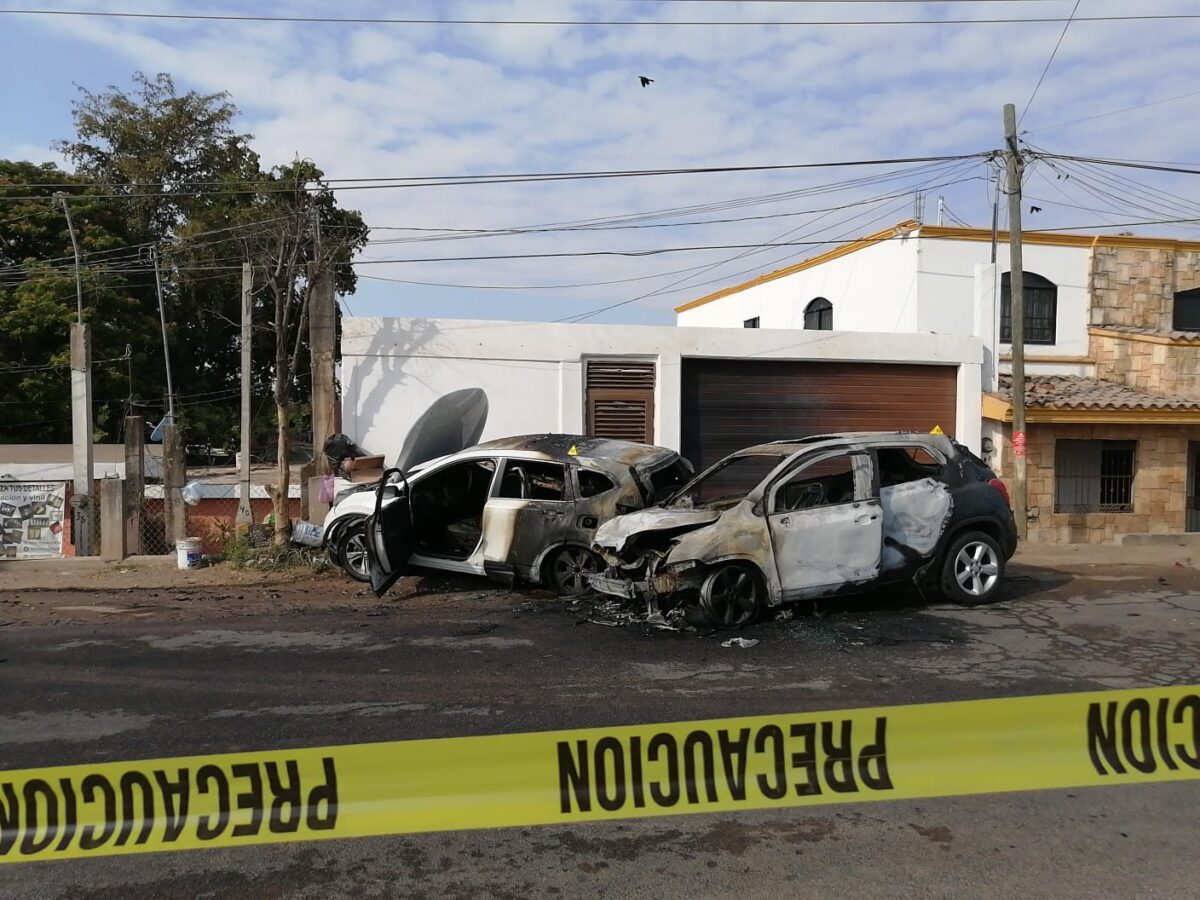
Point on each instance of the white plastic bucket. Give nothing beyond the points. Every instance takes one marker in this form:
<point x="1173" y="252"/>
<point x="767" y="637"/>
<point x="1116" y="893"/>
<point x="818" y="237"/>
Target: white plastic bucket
<point x="188" y="553"/>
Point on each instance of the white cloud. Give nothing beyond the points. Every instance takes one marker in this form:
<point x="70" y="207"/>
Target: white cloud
<point x="415" y="100"/>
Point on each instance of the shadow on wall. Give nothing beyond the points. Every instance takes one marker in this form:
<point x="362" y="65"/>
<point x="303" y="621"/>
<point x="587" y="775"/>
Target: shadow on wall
<point x="383" y="358"/>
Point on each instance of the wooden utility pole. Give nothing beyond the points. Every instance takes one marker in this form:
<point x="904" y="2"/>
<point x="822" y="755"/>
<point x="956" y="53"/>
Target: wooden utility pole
<point x="1014" y="165"/>
<point x="244" y="512"/>
<point x="135" y="480"/>
<point x="322" y="339"/>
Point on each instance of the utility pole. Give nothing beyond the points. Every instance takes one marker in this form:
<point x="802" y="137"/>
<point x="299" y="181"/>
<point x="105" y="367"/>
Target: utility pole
<point x="244" y="513"/>
<point x="162" y="319"/>
<point x="941" y="210"/>
<point x="82" y="454"/>
<point x="1014" y="165"/>
<point x="322" y="338"/>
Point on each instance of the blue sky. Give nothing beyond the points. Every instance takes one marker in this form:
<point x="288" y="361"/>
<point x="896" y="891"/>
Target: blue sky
<point x="391" y="100"/>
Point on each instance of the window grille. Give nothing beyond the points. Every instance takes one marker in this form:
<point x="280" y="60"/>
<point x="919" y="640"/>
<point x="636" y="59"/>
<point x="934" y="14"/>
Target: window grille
<point x="1094" y="476"/>
<point x="1041" y="309"/>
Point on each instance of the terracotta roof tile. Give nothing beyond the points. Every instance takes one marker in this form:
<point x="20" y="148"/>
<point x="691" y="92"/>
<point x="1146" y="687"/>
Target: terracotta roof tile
<point x="1079" y="392"/>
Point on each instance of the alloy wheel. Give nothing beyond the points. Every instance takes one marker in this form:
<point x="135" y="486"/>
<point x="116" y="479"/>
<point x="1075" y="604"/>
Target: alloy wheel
<point x="976" y="569"/>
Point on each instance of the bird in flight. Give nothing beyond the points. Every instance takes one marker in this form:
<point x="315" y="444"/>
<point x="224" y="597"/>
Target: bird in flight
<point x="646" y="82"/>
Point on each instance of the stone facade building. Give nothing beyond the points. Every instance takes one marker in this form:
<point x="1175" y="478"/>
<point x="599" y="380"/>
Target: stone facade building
<point x="1116" y="452"/>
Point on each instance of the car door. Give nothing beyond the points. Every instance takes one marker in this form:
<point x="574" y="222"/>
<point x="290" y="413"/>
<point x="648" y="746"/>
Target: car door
<point x="916" y="504"/>
<point x="825" y="523"/>
<point x="531" y="507"/>
<point x="389" y="532"/>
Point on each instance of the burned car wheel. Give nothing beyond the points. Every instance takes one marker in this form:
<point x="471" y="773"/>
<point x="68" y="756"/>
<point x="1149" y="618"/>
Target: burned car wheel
<point x="973" y="569"/>
<point x="352" y="551"/>
<point x="568" y="568"/>
<point x="732" y="595"/>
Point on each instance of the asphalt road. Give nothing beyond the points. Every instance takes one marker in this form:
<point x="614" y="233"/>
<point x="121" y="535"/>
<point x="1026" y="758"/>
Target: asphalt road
<point x="125" y="670"/>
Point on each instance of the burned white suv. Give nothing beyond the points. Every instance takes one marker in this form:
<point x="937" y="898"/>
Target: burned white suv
<point x="815" y="517"/>
<point x="522" y="508"/>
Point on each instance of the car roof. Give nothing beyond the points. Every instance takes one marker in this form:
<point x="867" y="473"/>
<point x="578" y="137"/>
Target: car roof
<point x="559" y="447"/>
<point x="852" y="438"/>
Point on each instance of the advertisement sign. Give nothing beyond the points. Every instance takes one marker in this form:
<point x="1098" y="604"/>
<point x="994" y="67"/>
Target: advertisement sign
<point x="31" y="519"/>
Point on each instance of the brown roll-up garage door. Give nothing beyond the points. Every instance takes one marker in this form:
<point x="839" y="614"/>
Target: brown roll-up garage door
<point x="728" y="404"/>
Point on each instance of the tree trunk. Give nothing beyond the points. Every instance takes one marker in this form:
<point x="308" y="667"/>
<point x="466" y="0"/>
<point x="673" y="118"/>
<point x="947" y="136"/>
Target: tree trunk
<point x="279" y="496"/>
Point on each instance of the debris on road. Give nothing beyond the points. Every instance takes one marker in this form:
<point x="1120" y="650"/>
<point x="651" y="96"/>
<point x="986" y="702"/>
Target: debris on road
<point x="744" y="643"/>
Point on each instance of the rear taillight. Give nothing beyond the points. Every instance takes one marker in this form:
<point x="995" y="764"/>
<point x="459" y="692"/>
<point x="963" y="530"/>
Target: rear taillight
<point x="999" y="485"/>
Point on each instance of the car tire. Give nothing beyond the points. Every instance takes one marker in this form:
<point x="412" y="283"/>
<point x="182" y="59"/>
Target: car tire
<point x="732" y="596"/>
<point x="566" y="570"/>
<point x="352" y="550"/>
<point x="972" y="569"/>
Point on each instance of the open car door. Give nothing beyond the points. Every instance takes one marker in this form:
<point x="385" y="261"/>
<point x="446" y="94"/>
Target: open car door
<point x="389" y="532"/>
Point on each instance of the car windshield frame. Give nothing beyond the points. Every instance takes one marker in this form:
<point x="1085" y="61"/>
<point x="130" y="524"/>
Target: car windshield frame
<point x="780" y="455"/>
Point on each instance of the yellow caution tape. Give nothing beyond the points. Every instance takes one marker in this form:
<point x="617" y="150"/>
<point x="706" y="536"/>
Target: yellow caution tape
<point x="889" y="753"/>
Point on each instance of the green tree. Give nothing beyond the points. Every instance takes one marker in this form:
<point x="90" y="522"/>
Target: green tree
<point x="38" y="306"/>
<point x="181" y="176"/>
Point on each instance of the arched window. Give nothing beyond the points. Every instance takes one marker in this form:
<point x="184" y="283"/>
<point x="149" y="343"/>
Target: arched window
<point x="1186" y="315"/>
<point x="818" y="315"/>
<point x="1041" y="309"/>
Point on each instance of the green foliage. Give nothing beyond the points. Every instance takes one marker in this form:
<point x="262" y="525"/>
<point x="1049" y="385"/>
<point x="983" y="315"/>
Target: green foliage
<point x="38" y="306"/>
<point x="156" y="166"/>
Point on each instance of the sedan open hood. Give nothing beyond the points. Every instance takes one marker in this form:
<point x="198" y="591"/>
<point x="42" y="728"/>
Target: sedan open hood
<point x="615" y="534"/>
<point x="452" y="423"/>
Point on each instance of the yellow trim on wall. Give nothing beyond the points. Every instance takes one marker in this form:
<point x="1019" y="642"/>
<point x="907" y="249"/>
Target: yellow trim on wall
<point x="1060" y="239"/>
<point x="844" y="250"/>
<point x="1145" y="338"/>
<point x="998" y="410"/>
<point x="1056" y="360"/>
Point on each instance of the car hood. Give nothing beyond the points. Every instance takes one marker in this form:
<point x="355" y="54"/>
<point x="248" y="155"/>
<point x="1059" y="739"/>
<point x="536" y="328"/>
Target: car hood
<point x="615" y="534"/>
<point x="452" y="423"/>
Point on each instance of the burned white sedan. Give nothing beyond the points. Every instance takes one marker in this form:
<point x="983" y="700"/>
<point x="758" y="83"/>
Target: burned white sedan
<point x="815" y="517"/>
<point x="522" y="508"/>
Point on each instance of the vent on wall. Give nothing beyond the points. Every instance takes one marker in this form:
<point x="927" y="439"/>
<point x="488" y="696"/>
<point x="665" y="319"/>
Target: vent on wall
<point x="620" y="399"/>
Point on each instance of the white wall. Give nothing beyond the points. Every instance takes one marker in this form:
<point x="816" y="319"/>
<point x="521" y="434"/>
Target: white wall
<point x="946" y="290"/>
<point x="873" y="289"/>
<point x="392" y="369"/>
<point x="918" y="285"/>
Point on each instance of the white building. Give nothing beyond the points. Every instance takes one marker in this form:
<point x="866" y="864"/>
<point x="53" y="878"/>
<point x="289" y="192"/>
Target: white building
<point x="924" y="278"/>
<point x="702" y="391"/>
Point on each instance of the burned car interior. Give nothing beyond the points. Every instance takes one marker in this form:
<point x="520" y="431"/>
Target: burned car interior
<point x="447" y="508"/>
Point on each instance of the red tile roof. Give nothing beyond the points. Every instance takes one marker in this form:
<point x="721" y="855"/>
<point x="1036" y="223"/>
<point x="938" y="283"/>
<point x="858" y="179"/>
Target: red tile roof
<point x="1079" y="392"/>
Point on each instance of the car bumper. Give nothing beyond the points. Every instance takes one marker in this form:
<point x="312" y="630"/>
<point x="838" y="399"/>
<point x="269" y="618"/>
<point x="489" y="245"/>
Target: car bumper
<point x="618" y="587"/>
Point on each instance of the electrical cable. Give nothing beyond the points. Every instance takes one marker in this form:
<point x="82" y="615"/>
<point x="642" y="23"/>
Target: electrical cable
<point x="611" y="23"/>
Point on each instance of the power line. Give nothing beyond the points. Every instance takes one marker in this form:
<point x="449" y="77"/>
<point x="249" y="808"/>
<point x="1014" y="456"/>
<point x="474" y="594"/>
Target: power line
<point x="1053" y="53"/>
<point x="1114" y="112"/>
<point x="390" y="182"/>
<point x="1127" y="164"/>
<point x="610" y="23"/>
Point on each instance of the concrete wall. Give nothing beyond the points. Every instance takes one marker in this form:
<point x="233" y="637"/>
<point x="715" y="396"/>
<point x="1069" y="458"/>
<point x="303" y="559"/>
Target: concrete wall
<point x="393" y="369"/>
<point x="872" y="289"/>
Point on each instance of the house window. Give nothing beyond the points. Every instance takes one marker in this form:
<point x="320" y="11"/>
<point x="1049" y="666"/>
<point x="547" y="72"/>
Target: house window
<point x="1041" y="309"/>
<point x="818" y="315"/>
<point x="1187" y="311"/>
<point x="1094" y="476"/>
<point x="750" y="323"/>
